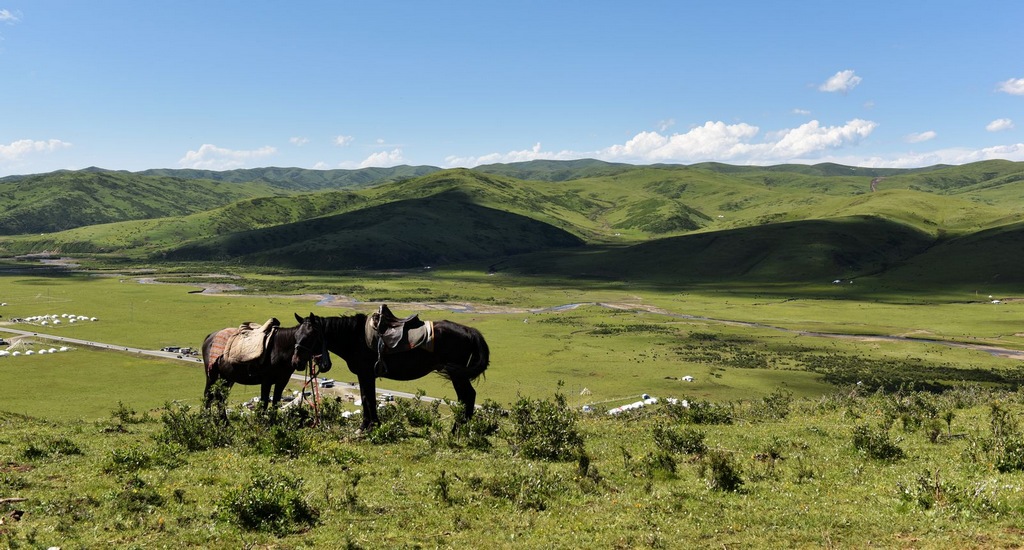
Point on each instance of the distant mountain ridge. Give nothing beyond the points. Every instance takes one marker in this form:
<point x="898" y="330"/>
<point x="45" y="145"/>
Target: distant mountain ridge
<point x="584" y="218"/>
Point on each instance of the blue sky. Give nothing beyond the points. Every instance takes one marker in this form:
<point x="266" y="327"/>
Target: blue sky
<point x="211" y="84"/>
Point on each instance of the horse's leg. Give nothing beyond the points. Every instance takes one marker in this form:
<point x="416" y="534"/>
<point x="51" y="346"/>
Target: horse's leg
<point x="467" y="396"/>
<point x="208" y="394"/>
<point x="368" y="396"/>
<point x="278" y="390"/>
<point x="265" y="395"/>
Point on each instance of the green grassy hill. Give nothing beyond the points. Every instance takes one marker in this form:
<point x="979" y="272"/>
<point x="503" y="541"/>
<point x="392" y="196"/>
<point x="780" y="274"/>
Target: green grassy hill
<point x="659" y="223"/>
<point x="440" y="229"/>
<point x="811" y="250"/>
<point x="302" y="179"/>
<point x="65" y="200"/>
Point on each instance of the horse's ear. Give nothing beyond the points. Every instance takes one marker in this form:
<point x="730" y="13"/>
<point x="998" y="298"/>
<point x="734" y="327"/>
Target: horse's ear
<point x="312" y="316"/>
<point x="297" y="318"/>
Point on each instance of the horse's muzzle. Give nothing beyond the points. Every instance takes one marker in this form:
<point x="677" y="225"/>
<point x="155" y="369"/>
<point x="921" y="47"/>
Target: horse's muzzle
<point x="322" y="362"/>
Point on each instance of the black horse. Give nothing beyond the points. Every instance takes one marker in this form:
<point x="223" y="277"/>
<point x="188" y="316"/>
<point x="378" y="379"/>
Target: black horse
<point x="459" y="354"/>
<point x="274" y="368"/>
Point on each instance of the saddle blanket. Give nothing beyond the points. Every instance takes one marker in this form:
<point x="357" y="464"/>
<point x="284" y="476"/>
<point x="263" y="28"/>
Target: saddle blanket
<point x="242" y="344"/>
<point x="220" y="343"/>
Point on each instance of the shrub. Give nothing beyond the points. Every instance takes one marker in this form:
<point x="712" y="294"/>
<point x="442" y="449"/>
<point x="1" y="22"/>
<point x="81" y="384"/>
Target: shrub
<point x="56" y="447"/>
<point x="527" y="489"/>
<point x="875" y="443"/>
<point x="1010" y="455"/>
<point x="701" y="412"/>
<point x="442" y="489"/>
<point x="194" y="431"/>
<point x="128" y="460"/>
<point x="775" y="406"/>
<point x="678" y="440"/>
<point x="138" y="497"/>
<point x="928" y="491"/>
<point x="271" y="503"/>
<point x="127" y="415"/>
<point x="545" y="430"/>
<point x="391" y="429"/>
<point x="273" y="432"/>
<point x="722" y="471"/>
<point x="658" y="464"/>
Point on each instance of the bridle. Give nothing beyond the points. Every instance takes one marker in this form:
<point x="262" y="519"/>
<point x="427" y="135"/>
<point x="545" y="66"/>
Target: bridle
<point x="321" y="360"/>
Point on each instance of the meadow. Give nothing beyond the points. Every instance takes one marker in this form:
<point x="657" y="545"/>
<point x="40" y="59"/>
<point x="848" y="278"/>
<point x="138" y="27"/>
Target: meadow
<point x="791" y="439"/>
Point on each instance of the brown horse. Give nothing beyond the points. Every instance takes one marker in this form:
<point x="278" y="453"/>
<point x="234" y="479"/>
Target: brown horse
<point x="459" y="354"/>
<point x="274" y="368"/>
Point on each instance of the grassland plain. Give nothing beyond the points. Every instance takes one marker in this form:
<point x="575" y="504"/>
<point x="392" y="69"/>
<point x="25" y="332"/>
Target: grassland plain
<point x="76" y="442"/>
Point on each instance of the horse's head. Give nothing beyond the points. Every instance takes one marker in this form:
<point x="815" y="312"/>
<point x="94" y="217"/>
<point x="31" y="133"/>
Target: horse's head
<point x="311" y="344"/>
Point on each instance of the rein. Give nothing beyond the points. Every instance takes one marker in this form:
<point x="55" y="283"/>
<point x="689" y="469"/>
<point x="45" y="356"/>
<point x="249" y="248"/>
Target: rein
<point x="313" y="365"/>
<point x="314" y="401"/>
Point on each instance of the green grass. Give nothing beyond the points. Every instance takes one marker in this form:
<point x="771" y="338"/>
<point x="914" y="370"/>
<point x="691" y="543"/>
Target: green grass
<point x="76" y="443"/>
<point x="636" y="342"/>
<point x="803" y="483"/>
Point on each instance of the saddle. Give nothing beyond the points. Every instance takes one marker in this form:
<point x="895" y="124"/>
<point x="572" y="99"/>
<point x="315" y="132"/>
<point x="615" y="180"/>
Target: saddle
<point x="389" y="334"/>
<point x="248" y="341"/>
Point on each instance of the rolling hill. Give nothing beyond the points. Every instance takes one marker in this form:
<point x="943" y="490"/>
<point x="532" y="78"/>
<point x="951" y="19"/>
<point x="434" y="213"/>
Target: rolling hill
<point x="664" y="223"/>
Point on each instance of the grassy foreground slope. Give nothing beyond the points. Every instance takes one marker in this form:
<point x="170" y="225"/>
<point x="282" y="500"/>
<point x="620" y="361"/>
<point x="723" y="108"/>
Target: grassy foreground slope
<point x="845" y="470"/>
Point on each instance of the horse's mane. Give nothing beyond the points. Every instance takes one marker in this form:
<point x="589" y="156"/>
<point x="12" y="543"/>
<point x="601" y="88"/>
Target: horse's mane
<point x="346" y="325"/>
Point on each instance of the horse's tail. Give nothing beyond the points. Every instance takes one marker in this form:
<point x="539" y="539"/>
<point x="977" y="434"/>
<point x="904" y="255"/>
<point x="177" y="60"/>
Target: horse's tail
<point x="479" y="360"/>
<point x="208" y="356"/>
<point x="472" y="365"/>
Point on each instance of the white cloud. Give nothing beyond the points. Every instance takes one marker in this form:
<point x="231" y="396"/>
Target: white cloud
<point x="343" y="141"/>
<point x="801" y="112"/>
<point x="7" y="17"/>
<point x="713" y="141"/>
<point x="524" y="155"/>
<point x="999" y="125"/>
<point x="664" y="125"/>
<point x="953" y="156"/>
<point x="383" y="159"/>
<point x="17" y="150"/>
<point x="735" y="142"/>
<point x="321" y="166"/>
<point x="918" y="137"/>
<point x="843" y="81"/>
<point x="812" y="137"/>
<point x="299" y="141"/>
<point x="1013" y="86"/>
<point x="211" y="157"/>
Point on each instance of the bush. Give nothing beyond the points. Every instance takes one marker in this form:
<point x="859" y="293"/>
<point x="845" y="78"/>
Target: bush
<point x="56" y="447"/>
<point x="722" y="471"/>
<point x="1010" y="455"/>
<point x="701" y="412"/>
<point x="271" y="504"/>
<point x="127" y="415"/>
<point x="194" y="431"/>
<point x="138" y="497"/>
<point x="875" y="443"/>
<point x="274" y="432"/>
<point x="928" y="491"/>
<point x="680" y="440"/>
<point x="128" y="460"/>
<point x="527" y="489"/>
<point x="775" y="406"/>
<point x="545" y="430"/>
<point x="391" y="429"/>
